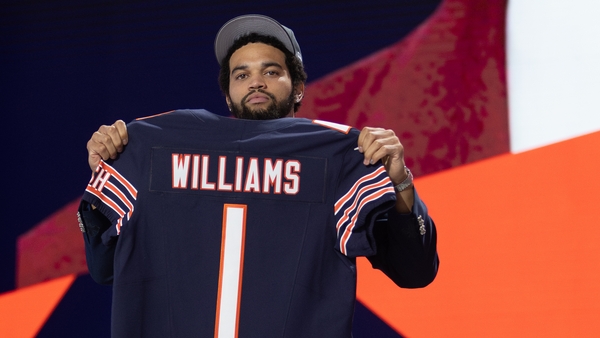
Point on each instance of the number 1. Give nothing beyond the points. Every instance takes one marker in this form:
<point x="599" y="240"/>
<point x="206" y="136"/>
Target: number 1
<point x="232" y="266"/>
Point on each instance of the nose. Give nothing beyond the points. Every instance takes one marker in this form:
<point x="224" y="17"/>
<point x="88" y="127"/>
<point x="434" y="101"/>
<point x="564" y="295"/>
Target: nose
<point x="257" y="82"/>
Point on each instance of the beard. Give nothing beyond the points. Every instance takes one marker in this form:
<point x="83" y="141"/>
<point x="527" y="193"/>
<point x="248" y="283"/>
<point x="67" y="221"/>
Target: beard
<point x="275" y="110"/>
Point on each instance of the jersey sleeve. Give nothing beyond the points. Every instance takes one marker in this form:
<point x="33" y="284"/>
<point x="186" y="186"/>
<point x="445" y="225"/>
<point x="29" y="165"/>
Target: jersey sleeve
<point x="363" y="192"/>
<point x="112" y="194"/>
<point x="407" y="246"/>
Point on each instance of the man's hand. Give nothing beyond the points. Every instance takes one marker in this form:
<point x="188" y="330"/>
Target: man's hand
<point x="106" y="143"/>
<point x="383" y="144"/>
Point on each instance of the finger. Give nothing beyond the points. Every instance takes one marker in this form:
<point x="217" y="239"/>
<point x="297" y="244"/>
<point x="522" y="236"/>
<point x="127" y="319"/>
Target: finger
<point x="112" y="137"/>
<point x="107" y="143"/>
<point x="361" y="138"/>
<point x="122" y="131"/>
<point x="93" y="156"/>
<point x="102" y="145"/>
<point x="392" y="156"/>
<point x="375" y="141"/>
<point x="97" y="150"/>
<point x="381" y="148"/>
<point x="366" y="137"/>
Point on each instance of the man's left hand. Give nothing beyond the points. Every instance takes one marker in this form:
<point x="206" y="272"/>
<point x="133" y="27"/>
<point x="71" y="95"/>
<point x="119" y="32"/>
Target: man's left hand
<point x="383" y="144"/>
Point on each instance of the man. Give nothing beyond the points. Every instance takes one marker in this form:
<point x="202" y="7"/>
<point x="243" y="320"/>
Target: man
<point x="214" y="226"/>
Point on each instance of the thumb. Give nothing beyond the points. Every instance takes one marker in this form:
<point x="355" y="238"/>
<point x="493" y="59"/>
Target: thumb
<point x="93" y="160"/>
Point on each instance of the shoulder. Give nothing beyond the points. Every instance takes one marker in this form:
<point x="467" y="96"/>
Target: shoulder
<point x="331" y="129"/>
<point x="178" y="114"/>
<point x="340" y="128"/>
<point x="173" y="119"/>
<point x="313" y="136"/>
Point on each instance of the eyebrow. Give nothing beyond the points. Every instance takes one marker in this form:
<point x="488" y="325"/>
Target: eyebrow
<point x="264" y="65"/>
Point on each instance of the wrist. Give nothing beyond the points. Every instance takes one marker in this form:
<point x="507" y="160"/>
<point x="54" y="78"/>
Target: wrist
<point x="406" y="182"/>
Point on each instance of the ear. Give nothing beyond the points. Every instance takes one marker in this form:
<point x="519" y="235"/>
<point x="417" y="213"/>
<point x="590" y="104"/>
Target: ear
<point x="299" y="92"/>
<point x="228" y="100"/>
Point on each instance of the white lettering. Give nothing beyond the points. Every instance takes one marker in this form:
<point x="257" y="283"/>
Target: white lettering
<point x="272" y="176"/>
<point x="292" y="168"/>
<point x="277" y="176"/>
<point x="223" y="186"/>
<point x="205" y="184"/>
<point x="181" y="164"/>
<point x="101" y="179"/>
<point x="239" y="172"/>
<point x="195" y="171"/>
<point x="252" y="177"/>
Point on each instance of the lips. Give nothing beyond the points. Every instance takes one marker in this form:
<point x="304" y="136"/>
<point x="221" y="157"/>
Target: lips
<point x="257" y="98"/>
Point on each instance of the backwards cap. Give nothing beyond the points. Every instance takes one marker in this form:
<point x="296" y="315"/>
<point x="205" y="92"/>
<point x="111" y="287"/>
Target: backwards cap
<point x="254" y="23"/>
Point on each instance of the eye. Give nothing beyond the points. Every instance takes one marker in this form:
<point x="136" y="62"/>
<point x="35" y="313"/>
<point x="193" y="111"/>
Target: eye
<point x="272" y="73"/>
<point x="240" y="76"/>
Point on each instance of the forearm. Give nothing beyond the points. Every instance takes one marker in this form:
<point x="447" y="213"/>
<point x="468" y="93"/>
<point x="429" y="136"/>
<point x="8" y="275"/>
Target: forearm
<point x="99" y="257"/>
<point x="405" y="200"/>
<point x="406" y="246"/>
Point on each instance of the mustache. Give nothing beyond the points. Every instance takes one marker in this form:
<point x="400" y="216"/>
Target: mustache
<point x="271" y="96"/>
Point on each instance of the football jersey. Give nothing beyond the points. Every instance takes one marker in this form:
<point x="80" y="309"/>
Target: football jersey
<point x="227" y="227"/>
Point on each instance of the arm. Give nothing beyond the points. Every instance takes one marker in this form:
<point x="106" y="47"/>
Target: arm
<point x="405" y="238"/>
<point x="99" y="257"/>
<point x="406" y="247"/>
<point x="105" y="143"/>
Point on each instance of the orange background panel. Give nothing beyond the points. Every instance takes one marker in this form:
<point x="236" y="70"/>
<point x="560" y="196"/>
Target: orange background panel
<point x="518" y="238"/>
<point x="23" y="312"/>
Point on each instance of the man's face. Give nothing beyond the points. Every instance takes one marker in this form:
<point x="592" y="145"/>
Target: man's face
<point x="260" y="87"/>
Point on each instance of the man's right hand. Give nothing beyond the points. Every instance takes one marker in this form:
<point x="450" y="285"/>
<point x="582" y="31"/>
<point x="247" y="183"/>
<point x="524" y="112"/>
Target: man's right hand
<point x="106" y="143"/>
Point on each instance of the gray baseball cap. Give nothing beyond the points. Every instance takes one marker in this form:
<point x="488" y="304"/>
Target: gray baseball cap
<point x="254" y="23"/>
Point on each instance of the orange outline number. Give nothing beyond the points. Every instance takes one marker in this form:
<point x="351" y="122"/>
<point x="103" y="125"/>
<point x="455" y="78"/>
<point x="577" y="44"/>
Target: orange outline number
<point x="232" y="267"/>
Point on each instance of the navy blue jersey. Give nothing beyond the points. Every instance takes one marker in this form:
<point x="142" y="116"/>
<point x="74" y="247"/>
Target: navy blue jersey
<point x="228" y="227"/>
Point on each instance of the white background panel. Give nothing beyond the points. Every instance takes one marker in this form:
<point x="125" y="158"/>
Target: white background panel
<point x="553" y="53"/>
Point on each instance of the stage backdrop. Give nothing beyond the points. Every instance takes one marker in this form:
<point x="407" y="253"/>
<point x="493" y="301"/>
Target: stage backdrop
<point x="516" y="234"/>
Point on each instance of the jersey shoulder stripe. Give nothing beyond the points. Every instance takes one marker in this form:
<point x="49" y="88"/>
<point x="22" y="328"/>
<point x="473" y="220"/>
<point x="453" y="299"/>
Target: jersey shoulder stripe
<point x="122" y="180"/>
<point x="354" y="189"/>
<point x="350" y="208"/>
<point x="155" y="115"/>
<point x="342" y="128"/>
<point x="350" y="227"/>
<point x="113" y="191"/>
<point x="353" y="207"/>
